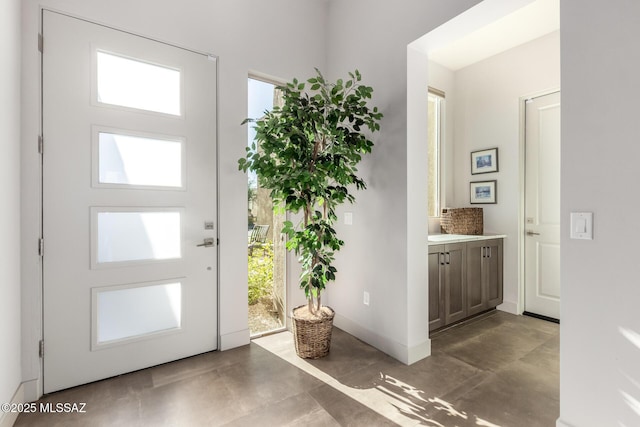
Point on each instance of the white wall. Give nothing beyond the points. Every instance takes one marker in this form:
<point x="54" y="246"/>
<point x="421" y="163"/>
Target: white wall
<point x="275" y="38"/>
<point x="600" y="68"/>
<point x="10" y="212"/>
<point x="600" y="329"/>
<point x="383" y="254"/>
<point x="487" y="115"/>
<point x="444" y="79"/>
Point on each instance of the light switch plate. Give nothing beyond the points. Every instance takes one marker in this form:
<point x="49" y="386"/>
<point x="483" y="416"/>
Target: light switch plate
<point x="348" y="218"/>
<point x="582" y="225"/>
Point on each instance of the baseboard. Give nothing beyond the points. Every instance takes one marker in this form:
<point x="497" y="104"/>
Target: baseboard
<point x="398" y="351"/>
<point x="560" y="423"/>
<point x="234" y="339"/>
<point x="509" y="307"/>
<point x="8" y="419"/>
<point x="419" y="352"/>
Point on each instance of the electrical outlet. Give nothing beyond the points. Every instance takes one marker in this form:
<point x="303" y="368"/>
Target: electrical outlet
<point x="366" y="298"/>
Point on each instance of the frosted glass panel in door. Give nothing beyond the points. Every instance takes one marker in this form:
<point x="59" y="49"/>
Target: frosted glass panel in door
<point x="139" y="161"/>
<point x="111" y="237"/>
<point x="136" y="84"/>
<point x="136" y="236"/>
<point x="136" y="311"/>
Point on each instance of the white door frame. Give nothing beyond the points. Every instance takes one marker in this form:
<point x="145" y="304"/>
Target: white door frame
<point x="289" y="261"/>
<point x="521" y="187"/>
<point x="34" y="389"/>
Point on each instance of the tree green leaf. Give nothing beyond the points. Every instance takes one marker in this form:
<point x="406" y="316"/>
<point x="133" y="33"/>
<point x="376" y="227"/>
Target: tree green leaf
<point x="306" y="152"/>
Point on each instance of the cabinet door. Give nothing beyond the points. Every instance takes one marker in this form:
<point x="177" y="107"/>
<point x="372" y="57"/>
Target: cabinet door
<point x="436" y="279"/>
<point x="476" y="292"/>
<point x="455" y="282"/>
<point x="493" y="273"/>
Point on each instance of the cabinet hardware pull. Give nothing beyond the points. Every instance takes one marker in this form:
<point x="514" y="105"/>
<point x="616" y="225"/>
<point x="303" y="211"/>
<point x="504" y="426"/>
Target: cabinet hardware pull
<point x="441" y="257"/>
<point x="484" y="249"/>
<point x="448" y="261"/>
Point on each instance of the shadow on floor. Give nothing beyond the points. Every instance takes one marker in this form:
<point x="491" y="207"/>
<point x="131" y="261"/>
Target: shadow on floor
<point x="499" y="371"/>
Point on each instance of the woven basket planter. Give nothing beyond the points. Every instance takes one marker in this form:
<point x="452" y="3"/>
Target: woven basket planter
<point x="312" y="338"/>
<point x="462" y="221"/>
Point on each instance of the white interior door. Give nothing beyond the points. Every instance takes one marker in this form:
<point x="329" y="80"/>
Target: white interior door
<point x="129" y="192"/>
<point x="542" y="206"/>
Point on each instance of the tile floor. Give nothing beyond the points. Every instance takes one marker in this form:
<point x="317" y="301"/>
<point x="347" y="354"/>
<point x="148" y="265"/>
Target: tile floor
<point x="500" y="370"/>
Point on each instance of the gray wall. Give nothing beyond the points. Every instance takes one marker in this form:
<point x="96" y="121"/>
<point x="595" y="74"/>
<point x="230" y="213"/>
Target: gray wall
<point x="10" y="212"/>
<point x="600" y="330"/>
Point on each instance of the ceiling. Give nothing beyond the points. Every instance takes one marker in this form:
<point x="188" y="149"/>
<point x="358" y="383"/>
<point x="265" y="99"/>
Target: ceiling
<point x="528" y="23"/>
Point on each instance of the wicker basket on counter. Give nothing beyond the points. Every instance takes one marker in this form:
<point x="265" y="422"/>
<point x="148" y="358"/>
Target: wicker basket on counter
<point x="461" y="221"/>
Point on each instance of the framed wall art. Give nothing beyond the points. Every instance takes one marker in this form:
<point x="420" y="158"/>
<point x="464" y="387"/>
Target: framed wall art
<point x="483" y="192"/>
<point x="484" y="161"/>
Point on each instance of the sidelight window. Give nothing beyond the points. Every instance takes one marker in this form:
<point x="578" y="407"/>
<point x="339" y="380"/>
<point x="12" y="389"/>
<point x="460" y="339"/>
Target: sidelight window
<point x="435" y="122"/>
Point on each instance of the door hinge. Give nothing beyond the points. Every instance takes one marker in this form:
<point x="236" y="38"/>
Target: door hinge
<point x="41" y="246"/>
<point x="41" y="349"/>
<point x="40" y="43"/>
<point x="40" y="144"/>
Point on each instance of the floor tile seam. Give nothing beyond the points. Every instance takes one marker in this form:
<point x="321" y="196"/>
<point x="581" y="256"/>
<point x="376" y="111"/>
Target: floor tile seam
<point x="454" y="394"/>
<point x="342" y="377"/>
<point x="302" y="393"/>
<point x="466" y="324"/>
<point x="321" y="406"/>
<point x="261" y="408"/>
<point x="179" y="379"/>
<point x="465" y="362"/>
<point x="336" y="382"/>
<point x="478" y="371"/>
<point x="358" y="395"/>
<point x="479" y="340"/>
<point x="532" y="363"/>
<point x="482" y="368"/>
<point x="507" y="328"/>
<point x="538" y="348"/>
<point x="226" y="365"/>
<point x="534" y="328"/>
<point x="503" y="371"/>
<point x="321" y="409"/>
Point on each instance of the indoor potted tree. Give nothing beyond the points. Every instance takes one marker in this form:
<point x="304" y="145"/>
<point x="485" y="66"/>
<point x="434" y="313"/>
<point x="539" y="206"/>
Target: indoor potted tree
<point x="306" y="152"/>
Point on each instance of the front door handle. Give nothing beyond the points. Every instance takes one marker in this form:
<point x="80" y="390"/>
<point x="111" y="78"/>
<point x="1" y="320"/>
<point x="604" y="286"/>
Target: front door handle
<point x="531" y="233"/>
<point x="208" y="242"/>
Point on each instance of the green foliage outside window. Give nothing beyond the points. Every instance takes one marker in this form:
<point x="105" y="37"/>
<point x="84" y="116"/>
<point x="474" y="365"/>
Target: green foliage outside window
<point x="260" y="273"/>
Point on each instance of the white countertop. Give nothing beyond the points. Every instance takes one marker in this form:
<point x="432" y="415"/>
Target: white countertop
<point x="441" y="239"/>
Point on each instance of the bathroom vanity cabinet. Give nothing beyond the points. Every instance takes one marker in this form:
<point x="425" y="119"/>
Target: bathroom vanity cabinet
<point x="465" y="278"/>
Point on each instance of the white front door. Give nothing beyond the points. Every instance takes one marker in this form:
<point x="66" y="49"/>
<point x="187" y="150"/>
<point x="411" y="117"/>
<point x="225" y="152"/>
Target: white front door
<point x="542" y="206"/>
<point x="129" y="194"/>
